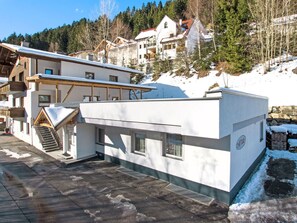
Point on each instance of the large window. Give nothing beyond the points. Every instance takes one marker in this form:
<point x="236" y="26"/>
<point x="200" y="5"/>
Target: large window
<point x="48" y="71"/>
<point x="113" y="78"/>
<point x="139" y="142"/>
<point x="44" y="100"/>
<point x="90" y="75"/>
<point x="100" y="136"/>
<point x="173" y="145"/>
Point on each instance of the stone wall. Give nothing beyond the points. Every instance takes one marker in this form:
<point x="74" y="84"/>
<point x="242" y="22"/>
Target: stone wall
<point x="282" y="115"/>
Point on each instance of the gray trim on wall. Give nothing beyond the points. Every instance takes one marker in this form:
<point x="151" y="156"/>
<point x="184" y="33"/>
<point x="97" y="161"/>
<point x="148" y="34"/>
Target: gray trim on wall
<point x="246" y="175"/>
<point x="218" y="194"/>
<point x="241" y="125"/>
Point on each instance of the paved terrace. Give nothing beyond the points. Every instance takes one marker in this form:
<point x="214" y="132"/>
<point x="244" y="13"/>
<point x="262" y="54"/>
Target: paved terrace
<point x="36" y="188"/>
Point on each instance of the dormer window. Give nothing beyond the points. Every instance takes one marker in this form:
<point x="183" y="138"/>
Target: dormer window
<point x="165" y="25"/>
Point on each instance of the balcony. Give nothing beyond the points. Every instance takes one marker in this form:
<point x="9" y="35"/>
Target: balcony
<point x="12" y="87"/>
<point x="13" y="112"/>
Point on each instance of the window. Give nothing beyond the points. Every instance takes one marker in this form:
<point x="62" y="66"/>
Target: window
<point x="89" y="75"/>
<point x="48" y="71"/>
<point x="21" y="76"/>
<point x="13" y="78"/>
<point x="99" y="136"/>
<point x="13" y="102"/>
<point x="140" y="46"/>
<point x="144" y="45"/>
<point x="165" y="25"/>
<point x="21" y="126"/>
<point x="173" y="145"/>
<point x="139" y="142"/>
<point x="139" y="56"/>
<point x="261" y="131"/>
<point x="113" y="78"/>
<point x="28" y="128"/>
<point x="87" y="98"/>
<point x="44" y="100"/>
<point x="22" y="102"/>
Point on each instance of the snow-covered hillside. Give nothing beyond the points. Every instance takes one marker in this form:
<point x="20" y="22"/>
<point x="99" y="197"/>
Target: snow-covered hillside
<point x="279" y="85"/>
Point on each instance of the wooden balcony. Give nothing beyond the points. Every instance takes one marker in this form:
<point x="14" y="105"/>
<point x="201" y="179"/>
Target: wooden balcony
<point x="13" y="112"/>
<point x="12" y="87"/>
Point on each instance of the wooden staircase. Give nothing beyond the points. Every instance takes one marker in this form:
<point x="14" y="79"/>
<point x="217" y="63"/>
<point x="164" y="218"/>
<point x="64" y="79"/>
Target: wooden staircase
<point x="48" y="138"/>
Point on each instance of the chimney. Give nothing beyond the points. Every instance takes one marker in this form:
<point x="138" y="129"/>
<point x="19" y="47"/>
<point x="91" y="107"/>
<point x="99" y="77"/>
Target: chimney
<point x="25" y="44"/>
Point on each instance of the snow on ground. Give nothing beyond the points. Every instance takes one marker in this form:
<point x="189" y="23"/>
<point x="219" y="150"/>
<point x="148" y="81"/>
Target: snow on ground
<point x="278" y="84"/>
<point x="14" y="154"/>
<point x="253" y="189"/>
<point x="58" y="114"/>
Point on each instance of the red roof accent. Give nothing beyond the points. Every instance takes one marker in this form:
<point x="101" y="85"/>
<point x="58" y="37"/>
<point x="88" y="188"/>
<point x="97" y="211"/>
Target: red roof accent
<point x="148" y="29"/>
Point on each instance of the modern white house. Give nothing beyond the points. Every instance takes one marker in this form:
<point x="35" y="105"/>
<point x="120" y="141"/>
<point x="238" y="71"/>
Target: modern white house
<point x="209" y="145"/>
<point x="82" y="109"/>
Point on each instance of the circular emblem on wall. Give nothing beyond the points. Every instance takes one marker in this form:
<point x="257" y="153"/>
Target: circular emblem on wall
<point x="240" y="142"/>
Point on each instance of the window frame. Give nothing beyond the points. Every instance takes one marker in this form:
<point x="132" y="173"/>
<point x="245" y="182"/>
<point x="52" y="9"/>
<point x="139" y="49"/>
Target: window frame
<point x="90" y="75"/>
<point x="166" y="144"/>
<point x="134" y="148"/>
<point x="97" y="98"/>
<point x="44" y="103"/>
<point x="261" y="131"/>
<point x="113" y="78"/>
<point x="99" y="139"/>
<point x="49" y="69"/>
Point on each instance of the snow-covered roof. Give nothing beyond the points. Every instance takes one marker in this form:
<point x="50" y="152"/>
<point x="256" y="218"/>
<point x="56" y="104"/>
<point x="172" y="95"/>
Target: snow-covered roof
<point x="146" y="33"/>
<point x="170" y="39"/>
<point x="91" y="81"/>
<point x="57" y="114"/>
<point x="50" y="55"/>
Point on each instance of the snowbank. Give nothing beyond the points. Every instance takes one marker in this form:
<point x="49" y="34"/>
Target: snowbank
<point x="279" y="85"/>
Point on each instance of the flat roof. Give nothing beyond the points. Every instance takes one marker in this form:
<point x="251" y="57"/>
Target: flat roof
<point x="26" y="51"/>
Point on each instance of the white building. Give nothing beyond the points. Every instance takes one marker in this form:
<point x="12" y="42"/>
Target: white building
<point x="209" y="145"/>
<point x="38" y="78"/>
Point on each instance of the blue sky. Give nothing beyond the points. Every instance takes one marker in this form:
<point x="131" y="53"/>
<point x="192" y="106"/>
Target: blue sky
<point x="30" y="16"/>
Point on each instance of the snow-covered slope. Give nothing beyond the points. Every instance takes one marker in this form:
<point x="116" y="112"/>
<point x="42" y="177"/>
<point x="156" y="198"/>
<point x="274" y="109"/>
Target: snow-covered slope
<point x="279" y="85"/>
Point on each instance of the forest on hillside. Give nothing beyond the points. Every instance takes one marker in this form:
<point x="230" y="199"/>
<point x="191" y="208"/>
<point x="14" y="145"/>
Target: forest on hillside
<point x="246" y="32"/>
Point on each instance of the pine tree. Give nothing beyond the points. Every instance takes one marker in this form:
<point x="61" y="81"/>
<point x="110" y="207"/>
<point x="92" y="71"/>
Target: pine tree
<point x="232" y="32"/>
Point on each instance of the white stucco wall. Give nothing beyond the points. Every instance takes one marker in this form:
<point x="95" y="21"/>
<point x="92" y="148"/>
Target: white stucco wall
<point x="199" y="164"/>
<point x="78" y="70"/>
<point x="186" y="117"/>
<point x="85" y="141"/>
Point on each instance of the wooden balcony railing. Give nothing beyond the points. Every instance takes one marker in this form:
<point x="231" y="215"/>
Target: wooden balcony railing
<point x="12" y="87"/>
<point x="13" y="112"/>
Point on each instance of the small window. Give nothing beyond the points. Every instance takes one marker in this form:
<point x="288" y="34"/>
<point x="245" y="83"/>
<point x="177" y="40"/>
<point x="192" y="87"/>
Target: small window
<point x="13" y="78"/>
<point x="87" y="98"/>
<point x="28" y="128"/>
<point x="113" y="78"/>
<point x="44" y="100"/>
<point x="48" y="71"/>
<point x="13" y="102"/>
<point x="140" y="46"/>
<point x="22" y="102"/>
<point x="21" y="126"/>
<point x="139" y="142"/>
<point x="139" y="56"/>
<point x="144" y="45"/>
<point x="89" y="75"/>
<point x="171" y="35"/>
<point x="99" y="136"/>
<point x="261" y="131"/>
<point x="173" y="145"/>
<point x="21" y="76"/>
<point x="165" y="25"/>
